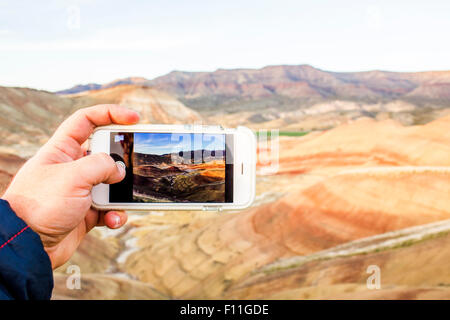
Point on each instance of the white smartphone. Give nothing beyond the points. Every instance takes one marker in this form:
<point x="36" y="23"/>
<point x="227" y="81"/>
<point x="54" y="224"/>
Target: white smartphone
<point x="177" y="167"/>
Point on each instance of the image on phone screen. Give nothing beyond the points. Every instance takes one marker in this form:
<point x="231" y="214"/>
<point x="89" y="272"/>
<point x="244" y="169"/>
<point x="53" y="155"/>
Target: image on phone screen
<point x="173" y="167"/>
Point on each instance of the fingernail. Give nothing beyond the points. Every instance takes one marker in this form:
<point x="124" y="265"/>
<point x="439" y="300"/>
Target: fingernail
<point x="121" y="166"/>
<point x="116" y="221"/>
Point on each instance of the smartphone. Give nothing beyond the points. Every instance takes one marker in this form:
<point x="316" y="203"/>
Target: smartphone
<point x="177" y="167"/>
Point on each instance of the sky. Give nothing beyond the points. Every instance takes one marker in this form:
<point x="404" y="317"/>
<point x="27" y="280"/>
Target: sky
<point x="55" y="44"/>
<point x="164" y="143"/>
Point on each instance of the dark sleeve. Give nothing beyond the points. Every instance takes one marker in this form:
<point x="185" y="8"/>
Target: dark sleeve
<point x="25" y="268"/>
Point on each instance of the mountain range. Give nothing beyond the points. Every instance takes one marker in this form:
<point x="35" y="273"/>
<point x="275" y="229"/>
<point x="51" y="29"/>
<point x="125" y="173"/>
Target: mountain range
<point x="95" y="86"/>
<point x="182" y="157"/>
<point x="288" y="98"/>
<point x="301" y="97"/>
<point x="223" y="87"/>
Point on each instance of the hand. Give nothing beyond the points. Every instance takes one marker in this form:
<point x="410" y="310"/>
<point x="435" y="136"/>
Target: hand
<point x="52" y="191"/>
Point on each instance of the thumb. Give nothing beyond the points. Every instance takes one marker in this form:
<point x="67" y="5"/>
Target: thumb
<point x="99" y="168"/>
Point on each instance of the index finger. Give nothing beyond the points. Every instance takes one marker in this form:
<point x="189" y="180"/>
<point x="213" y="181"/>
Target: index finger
<point x="80" y="125"/>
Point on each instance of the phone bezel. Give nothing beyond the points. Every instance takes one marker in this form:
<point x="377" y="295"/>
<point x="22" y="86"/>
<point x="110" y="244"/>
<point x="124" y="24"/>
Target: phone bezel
<point x="244" y="154"/>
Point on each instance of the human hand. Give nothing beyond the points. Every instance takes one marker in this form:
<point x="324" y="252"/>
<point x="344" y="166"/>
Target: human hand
<point x="52" y="191"/>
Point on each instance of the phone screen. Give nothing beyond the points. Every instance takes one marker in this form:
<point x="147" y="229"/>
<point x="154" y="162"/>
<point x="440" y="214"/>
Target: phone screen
<point x="173" y="167"/>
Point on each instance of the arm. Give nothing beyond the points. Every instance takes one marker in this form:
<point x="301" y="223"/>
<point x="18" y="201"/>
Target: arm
<point x="25" y="269"/>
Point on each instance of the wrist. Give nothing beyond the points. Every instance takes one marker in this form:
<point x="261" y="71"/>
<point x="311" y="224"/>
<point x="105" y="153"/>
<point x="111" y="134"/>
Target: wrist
<point x="16" y="205"/>
<point x="21" y="209"/>
<point x="24" y="209"/>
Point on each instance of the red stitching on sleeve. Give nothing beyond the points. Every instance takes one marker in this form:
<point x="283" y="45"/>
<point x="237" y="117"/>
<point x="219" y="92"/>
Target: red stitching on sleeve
<point x="12" y="238"/>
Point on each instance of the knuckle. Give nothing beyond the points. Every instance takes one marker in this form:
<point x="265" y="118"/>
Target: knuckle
<point x="76" y="116"/>
<point x="79" y="112"/>
<point x="99" y="107"/>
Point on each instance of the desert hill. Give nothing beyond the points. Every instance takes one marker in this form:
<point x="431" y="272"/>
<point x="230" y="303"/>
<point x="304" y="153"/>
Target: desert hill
<point x="379" y="198"/>
<point x="208" y="257"/>
<point x="368" y="143"/>
<point x="105" y="287"/>
<point x="28" y="117"/>
<point x="154" y="106"/>
<point x="413" y="264"/>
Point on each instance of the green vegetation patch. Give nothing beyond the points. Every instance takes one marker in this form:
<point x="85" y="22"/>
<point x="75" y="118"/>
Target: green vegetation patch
<point x="284" y="133"/>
